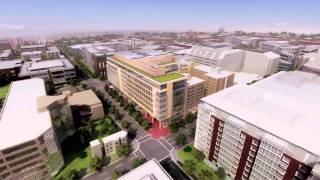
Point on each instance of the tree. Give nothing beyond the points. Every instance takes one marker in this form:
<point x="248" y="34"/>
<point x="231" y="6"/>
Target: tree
<point x="221" y="173"/>
<point x="190" y="117"/>
<point x="181" y="139"/>
<point x="96" y="164"/>
<point x="198" y="155"/>
<point x="205" y="174"/>
<point x="126" y="124"/>
<point x="74" y="82"/>
<point x="132" y="133"/>
<point x="145" y="124"/>
<point x="116" y="174"/>
<point x="189" y="166"/>
<point x="50" y="88"/>
<point x="174" y="127"/>
<point x="72" y="175"/>
<point x="137" y="162"/>
<point x="124" y="150"/>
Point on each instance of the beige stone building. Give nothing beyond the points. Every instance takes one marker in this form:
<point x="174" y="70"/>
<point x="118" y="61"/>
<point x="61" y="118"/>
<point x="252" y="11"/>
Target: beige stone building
<point x="195" y="91"/>
<point x="215" y="78"/>
<point x="151" y="79"/>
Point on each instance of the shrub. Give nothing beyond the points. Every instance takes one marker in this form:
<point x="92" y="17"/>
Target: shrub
<point x="187" y="149"/>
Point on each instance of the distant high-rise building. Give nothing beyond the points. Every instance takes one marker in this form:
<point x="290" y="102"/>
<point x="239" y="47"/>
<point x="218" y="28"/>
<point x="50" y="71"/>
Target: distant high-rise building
<point x="221" y="30"/>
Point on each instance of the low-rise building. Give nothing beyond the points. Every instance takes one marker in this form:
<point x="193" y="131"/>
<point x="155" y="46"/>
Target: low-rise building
<point x="113" y="141"/>
<point x="30" y="48"/>
<point x="4" y="45"/>
<point x="58" y="71"/>
<point x="28" y="147"/>
<point x="265" y="130"/>
<point x="263" y="64"/>
<point x="215" y="78"/>
<point x="10" y="68"/>
<point x="6" y="54"/>
<point x="150" y="170"/>
<point x="312" y="64"/>
<point x="40" y="52"/>
<point x="96" y="148"/>
<point x="243" y="41"/>
<point x="230" y="60"/>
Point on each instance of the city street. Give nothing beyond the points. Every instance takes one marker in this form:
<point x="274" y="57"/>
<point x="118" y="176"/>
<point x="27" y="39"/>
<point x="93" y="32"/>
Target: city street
<point x="144" y="145"/>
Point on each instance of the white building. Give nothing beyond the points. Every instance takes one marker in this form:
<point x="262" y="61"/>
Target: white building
<point x="150" y="170"/>
<point x="28" y="146"/>
<point x="262" y="64"/>
<point x="113" y="141"/>
<point x="59" y="71"/>
<point x="313" y="63"/>
<point x="289" y="54"/>
<point x="230" y="60"/>
<point x="96" y="148"/>
<point x="243" y="41"/>
<point x="263" y="131"/>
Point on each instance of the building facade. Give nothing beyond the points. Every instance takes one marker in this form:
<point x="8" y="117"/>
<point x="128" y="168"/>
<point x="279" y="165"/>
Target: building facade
<point x="152" y="82"/>
<point x="113" y="141"/>
<point x="251" y="131"/>
<point x="34" y="152"/>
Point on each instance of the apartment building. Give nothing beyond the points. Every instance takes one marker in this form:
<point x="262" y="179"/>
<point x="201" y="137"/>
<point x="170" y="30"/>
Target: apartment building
<point x="113" y="141"/>
<point x="265" y="130"/>
<point x="230" y="59"/>
<point x="262" y="64"/>
<point x="152" y="81"/>
<point x="96" y="58"/>
<point x="194" y="92"/>
<point x="215" y="78"/>
<point x="151" y="170"/>
<point x="58" y="71"/>
<point x="28" y="146"/>
<point x="289" y="54"/>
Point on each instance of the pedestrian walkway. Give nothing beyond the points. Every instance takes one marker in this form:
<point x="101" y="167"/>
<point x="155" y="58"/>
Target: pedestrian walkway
<point x="156" y="132"/>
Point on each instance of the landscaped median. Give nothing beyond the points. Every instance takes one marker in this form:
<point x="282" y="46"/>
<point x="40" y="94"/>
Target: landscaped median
<point x="192" y="163"/>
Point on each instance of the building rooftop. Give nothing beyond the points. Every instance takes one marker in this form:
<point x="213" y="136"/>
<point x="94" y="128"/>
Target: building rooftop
<point x="115" y="136"/>
<point x="45" y="65"/>
<point x="246" y="78"/>
<point x="34" y="46"/>
<point x="167" y="77"/>
<point x="10" y="64"/>
<point x="87" y="97"/>
<point x="95" y="143"/>
<point x="213" y="72"/>
<point x="283" y="105"/>
<point x="20" y="119"/>
<point x="194" y="80"/>
<point x="150" y="170"/>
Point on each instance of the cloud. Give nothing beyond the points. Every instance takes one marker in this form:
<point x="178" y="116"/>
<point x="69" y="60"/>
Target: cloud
<point x="11" y="27"/>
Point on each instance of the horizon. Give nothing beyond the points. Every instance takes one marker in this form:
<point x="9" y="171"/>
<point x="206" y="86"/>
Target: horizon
<point x="49" y="18"/>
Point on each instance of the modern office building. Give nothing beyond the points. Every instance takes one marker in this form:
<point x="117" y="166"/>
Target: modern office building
<point x="263" y="64"/>
<point x="150" y="79"/>
<point x="230" y="60"/>
<point x="215" y="78"/>
<point x="150" y="170"/>
<point x="58" y="71"/>
<point x="96" y="58"/>
<point x="312" y="64"/>
<point x="113" y="141"/>
<point x="28" y="146"/>
<point x="289" y="54"/>
<point x="265" y="130"/>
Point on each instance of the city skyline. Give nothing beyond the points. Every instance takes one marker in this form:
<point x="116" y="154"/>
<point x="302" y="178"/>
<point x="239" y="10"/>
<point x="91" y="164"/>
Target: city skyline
<point x="50" y="17"/>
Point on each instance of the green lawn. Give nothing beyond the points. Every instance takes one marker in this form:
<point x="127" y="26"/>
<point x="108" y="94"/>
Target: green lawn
<point x="200" y="165"/>
<point x="4" y="91"/>
<point x="79" y="161"/>
<point x="168" y="77"/>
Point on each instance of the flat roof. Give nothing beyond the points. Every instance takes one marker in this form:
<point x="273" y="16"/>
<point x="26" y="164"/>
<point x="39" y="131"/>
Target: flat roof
<point x="194" y="80"/>
<point x="284" y="105"/>
<point x="87" y="97"/>
<point x="10" y="64"/>
<point x="114" y="136"/>
<point x="20" y="120"/>
<point x="245" y="78"/>
<point x="33" y="46"/>
<point x="45" y="65"/>
<point x="214" y="72"/>
<point x="150" y="170"/>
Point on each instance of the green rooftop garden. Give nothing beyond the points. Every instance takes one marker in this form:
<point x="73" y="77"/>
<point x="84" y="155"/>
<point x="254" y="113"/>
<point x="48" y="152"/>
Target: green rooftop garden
<point x="168" y="77"/>
<point x="3" y="91"/>
<point x="160" y="79"/>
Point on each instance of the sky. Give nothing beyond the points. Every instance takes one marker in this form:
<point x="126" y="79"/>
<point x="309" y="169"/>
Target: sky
<point x="46" y="17"/>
